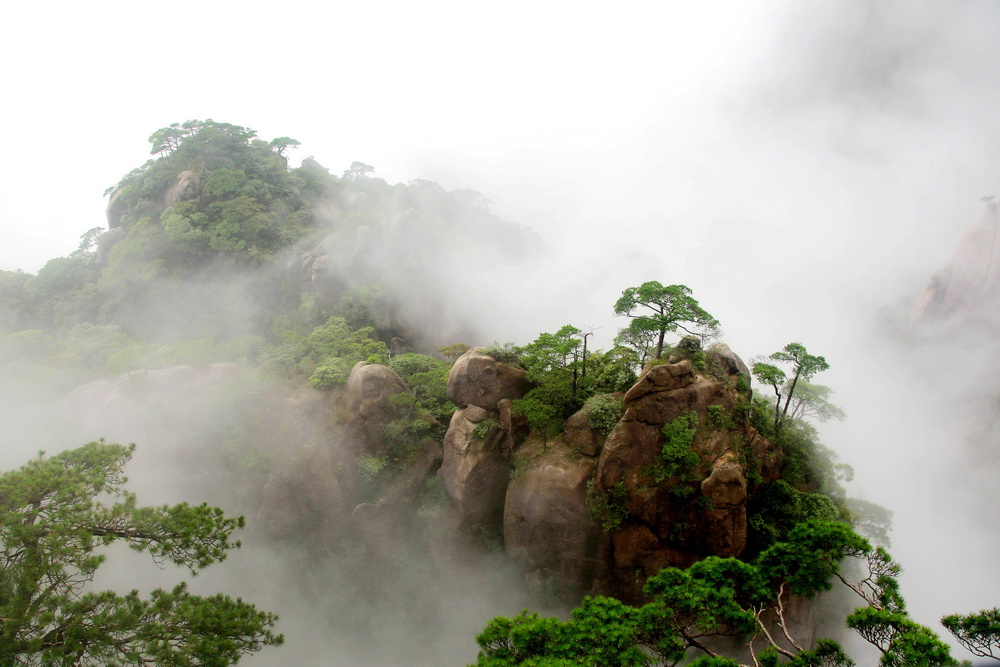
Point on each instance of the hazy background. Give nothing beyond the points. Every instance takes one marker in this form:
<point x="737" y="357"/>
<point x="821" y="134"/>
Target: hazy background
<point x="799" y="165"/>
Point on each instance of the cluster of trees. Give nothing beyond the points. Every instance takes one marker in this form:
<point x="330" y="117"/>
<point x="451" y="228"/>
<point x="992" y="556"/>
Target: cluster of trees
<point x="567" y="373"/>
<point x="692" y="612"/>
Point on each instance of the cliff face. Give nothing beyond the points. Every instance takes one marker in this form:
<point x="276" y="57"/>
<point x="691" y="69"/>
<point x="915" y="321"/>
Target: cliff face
<point x="586" y="512"/>
<point x="962" y="304"/>
<point x="968" y="288"/>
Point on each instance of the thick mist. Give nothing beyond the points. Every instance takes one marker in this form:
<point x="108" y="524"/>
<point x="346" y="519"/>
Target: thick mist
<point x="805" y="170"/>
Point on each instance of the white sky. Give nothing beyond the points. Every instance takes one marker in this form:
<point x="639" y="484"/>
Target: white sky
<point x="798" y="164"/>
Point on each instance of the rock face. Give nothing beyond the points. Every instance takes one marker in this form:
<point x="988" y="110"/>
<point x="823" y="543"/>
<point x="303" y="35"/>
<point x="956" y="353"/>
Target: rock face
<point x="585" y="512"/>
<point x="475" y="470"/>
<point x="481" y="436"/>
<point x="477" y="379"/>
<point x="187" y="186"/>
<point x="547" y="528"/>
<point x="671" y="511"/>
<point x="364" y="409"/>
<point x="970" y="283"/>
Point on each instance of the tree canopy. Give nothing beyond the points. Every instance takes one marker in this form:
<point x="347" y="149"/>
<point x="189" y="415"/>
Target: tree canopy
<point x="57" y="514"/>
<point x="728" y="597"/>
<point x="804" y="367"/>
<point x="978" y="632"/>
<point x="660" y="309"/>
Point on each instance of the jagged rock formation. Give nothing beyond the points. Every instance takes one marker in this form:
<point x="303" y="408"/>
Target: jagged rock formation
<point x="556" y="494"/>
<point x="477" y="447"/>
<point x="670" y="516"/>
<point x="548" y="528"/>
<point x="578" y="512"/>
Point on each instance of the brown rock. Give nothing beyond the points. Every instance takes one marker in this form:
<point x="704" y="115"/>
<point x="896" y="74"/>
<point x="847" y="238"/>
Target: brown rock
<point x="674" y="516"/>
<point x="477" y="379"/>
<point x="363" y="407"/>
<point x="721" y="358"/>
<point x="662" y="378"/>
<point x="187" y="186"/>
<point x="724" y="530"/>
<point x="578" y="435"/>
<point x="548" y="529"/>
<point x="475" y="474"/>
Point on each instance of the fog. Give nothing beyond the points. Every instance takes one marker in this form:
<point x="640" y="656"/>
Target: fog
<point x="805" y="169"/>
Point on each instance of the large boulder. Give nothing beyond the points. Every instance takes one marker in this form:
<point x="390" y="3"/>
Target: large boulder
<point x="723" y="361"/>
<point x="475" y="470"/>
<point x="364" y="409"/>
<point x="478" y="379"/>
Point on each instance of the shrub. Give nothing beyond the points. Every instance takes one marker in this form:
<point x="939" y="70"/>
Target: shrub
<point x="604" y="412"/>
<point x="505" y="354"/>
<point x="484" y="427"/>
<point x="677" y="460"/>
<point x="608" y="507"/>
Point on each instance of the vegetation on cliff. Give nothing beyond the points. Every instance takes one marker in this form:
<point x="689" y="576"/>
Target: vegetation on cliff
<point x="691" y="609"/>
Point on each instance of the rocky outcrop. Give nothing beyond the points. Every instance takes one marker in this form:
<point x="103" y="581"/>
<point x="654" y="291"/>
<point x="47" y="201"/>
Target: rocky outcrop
<point x="186" y="186"/>
<point x="481" y="380"/>
<point x="583" y="511"/>
<point x="672" y="511"/>
<point x="475" y="469"/>
<point x="723" y="362"/>
<point x="969" y="285"/>
<point x="481" y="437"/>
<point x="364" y="409"/>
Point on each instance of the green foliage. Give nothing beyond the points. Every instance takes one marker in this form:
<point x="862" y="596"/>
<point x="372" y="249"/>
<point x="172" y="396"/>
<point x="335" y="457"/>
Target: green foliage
<point x="870" y="519"/>
<point x="484" y="427"/>
<point x="978" y="632"/>
<point x="776" y="508"/>
<point x="56" y="515"/>
<point x="659" y="309"/>
<point x="604" y="412"/>
<point x="601" y="631"/>
<point x="425" y="409"/>
<point x="678" y="461"/>
<point x="608" y="507"/>
<point x="331" y="350"/>
<point x="538" y="411"/>
<point x="610" y="372"/>
<point x="372" y="467"/>
<point x="506" y="353"/>
<point x="804" y="367"/>
<point x="719" y="418"/>
<point x="903" y="642"/>
<point x="454" y="351"/>
<point x="715" y="596"/>
<point x="550" y="353"/>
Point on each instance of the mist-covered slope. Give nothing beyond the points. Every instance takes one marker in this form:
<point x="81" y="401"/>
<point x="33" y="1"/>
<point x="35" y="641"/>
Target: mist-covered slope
<point x="295" y="346"/>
